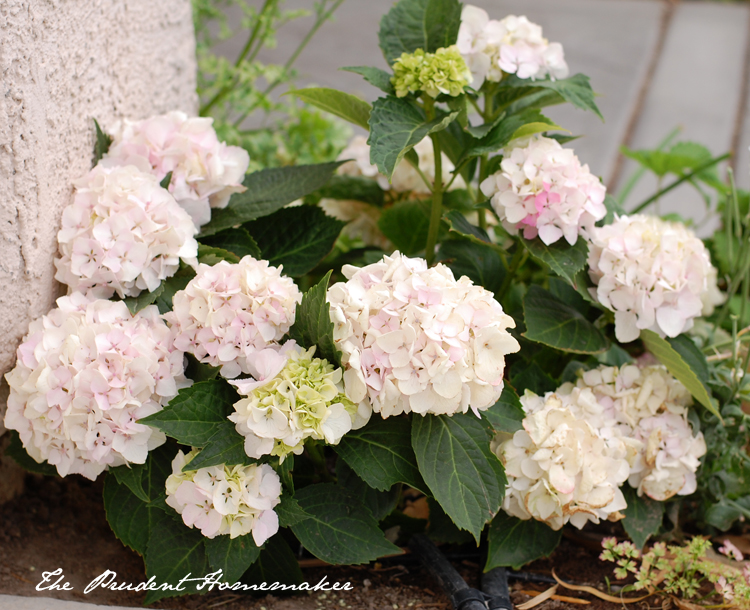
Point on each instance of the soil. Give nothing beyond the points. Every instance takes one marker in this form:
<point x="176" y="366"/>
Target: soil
<point x="60" y="523"/>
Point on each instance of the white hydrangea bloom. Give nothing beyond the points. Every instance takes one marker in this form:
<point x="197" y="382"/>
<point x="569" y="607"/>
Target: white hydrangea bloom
<point x="86" y="373"/>
<point x="653" y="274"/>
<point x="122" y="234"/>
<point x="542" y="189"/>
<point x="560" y="468"/>
<point x="648" y="406"/>
<point x="220" y="500"/>
<point x="416" y="339"/>
<point x="361" y="218"/>
<point x="228" y="311"/>
<point x="292" y="397"/>
<point x="205" y="172"/>
<point x="512" y="45"/>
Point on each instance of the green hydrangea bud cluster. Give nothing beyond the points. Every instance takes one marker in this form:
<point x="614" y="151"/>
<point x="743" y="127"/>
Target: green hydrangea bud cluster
<point x="305" y="399"/>
<point x="444" y="71"/>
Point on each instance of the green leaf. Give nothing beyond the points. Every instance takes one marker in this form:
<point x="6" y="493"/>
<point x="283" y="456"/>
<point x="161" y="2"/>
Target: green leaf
<point x="198" y="371"/>
<point x="289" y="511"/>
<point x="480" y="263"/>
<point x="458" y="224"/>
<point x="127" y="515"/>
<point x="340" y="529"/>
<point x="533" y="378"/>
<point x="643" y="516"/>
<point x="297" y="238"/>
<point x="406" y="224"/>
<point x="166" y="181"/>
<point x="267" y="191"/>
<point x="233" y="556"/>
<point x="725" y="512"/>
<point x="131" y="475"/>
<point x="381" y="453"/>
<point x="226" y="446"/>
<point x="238" y="241"/>
<point x="692" y="355"/>
<point x="343" y="105"/>
<point x="380" y="503"/>
<point x="575" y="89"/>
<point x="505" y="131"/>
<point x="676" y="364"/>
<point x="613" y="207"/>
<point x="276" y="563"/>
<point x="375" y="76"/>
<point x="101" y="144"/>
<point x="174" y="551"/>
<point x="196" y="413"/>
<point x="358" y="188"/>
<point x="515" y="542"/>
<point x="561" y="258"/>
<point x="482" y="130"/>
<point x="313" y="324"/>
<point x="552" y="322"/>
<point x="442" y="529"/>
<point x="208" y="255"/>
<point x="419" y="24"/>
<point x="507" y="413"/>
<point x="464" y="476"/>
<point x="172" y="285"/>
<point x="16" y="450"/>
<point x="396" y="126"/>
<point x="143" y="300"/>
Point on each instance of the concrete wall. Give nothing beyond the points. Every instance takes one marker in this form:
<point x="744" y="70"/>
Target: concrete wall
<point x="62" y="63"/>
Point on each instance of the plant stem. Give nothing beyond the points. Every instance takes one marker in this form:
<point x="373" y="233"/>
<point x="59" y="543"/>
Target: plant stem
<point x="515" y="263"/>
<point x="678" y="182"/>
<point x="227" y="89"/>
<point x="642" y="170"/>
<point x="436" y="212"/>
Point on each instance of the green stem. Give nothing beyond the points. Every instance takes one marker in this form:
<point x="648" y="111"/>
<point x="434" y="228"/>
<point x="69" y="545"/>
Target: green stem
<point x="642" y="170"/>
<point x="227" y="89"/>
<point x="436" y="212"/>
<point x="320" y="19"/>
<point x="515" y="263"/>
<point x="678" y="182"/>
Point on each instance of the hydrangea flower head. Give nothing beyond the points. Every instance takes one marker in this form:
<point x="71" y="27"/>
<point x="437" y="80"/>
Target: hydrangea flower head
<point x="647" y="407"/>
<point x="220" y="500"/>
<point x="560" y="468"/>
<point x="86" y="373"/>
<point x="513" y="45"/>
<point x="543" y="190"/>
<point x="205" y="172"/>
<point x="292" y="397"/>
<point x="122" y="234"/>
<point x="228" y="311"/>
<point x="653" y="274"/>
<point x="416" y="339"/>
<point x="443" y="71"/>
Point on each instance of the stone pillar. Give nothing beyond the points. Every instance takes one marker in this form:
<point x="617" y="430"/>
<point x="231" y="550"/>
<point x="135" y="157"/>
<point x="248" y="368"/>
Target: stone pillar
<point x="63" y="63"/>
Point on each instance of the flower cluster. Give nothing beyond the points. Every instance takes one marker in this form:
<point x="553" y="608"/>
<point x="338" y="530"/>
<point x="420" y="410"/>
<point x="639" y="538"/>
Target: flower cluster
<point x="219" y="500"/>
<point x="560" y="468"/>
<point x="653" y="274"/>
<point x="205" y="172"/>
<point x="292" y="397"/>
<point x="444" y="71"/>
<point x="86" y="372"/>
<point x="416" y="339"/>
<point x="542" y="189"/>
<point x="228" y="311"/>
<point x="122" y="234"/>
<point x="513" y="45"/>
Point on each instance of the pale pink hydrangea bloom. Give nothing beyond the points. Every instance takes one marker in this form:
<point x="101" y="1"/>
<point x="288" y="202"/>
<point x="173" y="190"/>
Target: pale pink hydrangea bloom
<point x="512" y="45"/>
<point x="228" y="311"/>
<point x="648" y="407"/>
<point x="86" y="373"/>
<point x="122" y="234"/>
<point x="560" y="468"/>
<point x="220" y="500"/>
<point x="542" y="189"/>
<point x="730" y="550"/>
<point x="653" y="274"/>
<point x="416" y="339"/>
<point x="205" y="172"/>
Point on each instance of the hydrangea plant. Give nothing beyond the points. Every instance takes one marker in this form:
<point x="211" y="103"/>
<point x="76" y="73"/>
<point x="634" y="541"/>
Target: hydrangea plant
<point x="455" y="305"/>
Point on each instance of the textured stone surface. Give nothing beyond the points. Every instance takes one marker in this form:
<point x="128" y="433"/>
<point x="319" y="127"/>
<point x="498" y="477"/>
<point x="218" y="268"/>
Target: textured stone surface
<point x="63" y="62"/>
